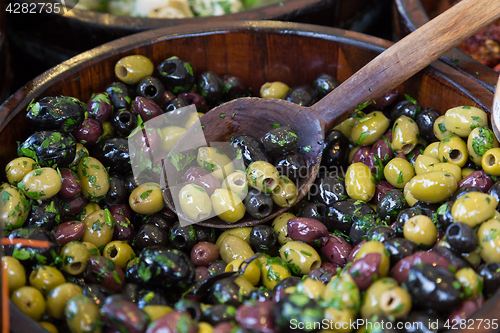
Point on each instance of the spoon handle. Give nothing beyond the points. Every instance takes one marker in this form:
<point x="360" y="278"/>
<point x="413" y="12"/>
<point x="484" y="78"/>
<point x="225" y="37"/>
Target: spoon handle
<point x="406" y="57"/>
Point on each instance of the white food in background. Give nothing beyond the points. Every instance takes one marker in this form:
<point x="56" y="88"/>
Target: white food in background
<point x="215" y="7"/>
<point x="162" y="8"/>
<point x="120" y="7"/>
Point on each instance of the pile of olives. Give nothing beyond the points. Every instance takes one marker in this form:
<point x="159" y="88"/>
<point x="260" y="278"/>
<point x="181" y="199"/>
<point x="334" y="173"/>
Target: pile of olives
<point x="402" y="224"/>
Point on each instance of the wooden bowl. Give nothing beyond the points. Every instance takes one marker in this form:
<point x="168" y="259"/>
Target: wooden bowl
<point x="257" y="52"/>
<point x="409" y="15"/>
<point x="5" y="74"/>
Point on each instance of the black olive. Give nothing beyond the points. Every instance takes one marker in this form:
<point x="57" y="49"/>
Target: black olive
<point x="324" y="84"/>
<point x="172" y="109"/>
<point x="280" y="140"/>
<point x="490" y="272"/>
<point x="210" y="86"/>
<point x="225" y="291"/>
<point x="62" y="113"/>
<point x="204" y="234"/>
<point x="117" y="192"/>
<point x="183" y="238"/>
<point x="152" y="88"/>
<point x="456" y="259"/>
<point x="263" y="238"/>
<point x="404" y="216"/>
<point x="423" y="322"/>
<point x="124" y="122"/>
<point x="336" y="152"/>
<point x="314" y="210"/>
<point x="299" y="308"/>
<point x="360" y="227"/>
<point x="252" y="149"/>
<point x="381" y="233"/>
<point x="463" y="191"/>
<point x="321" y="275"/>
<point x="99" y="106"/>
<point x="425" y="121"/>
<point x="494" y="191"/>
<point x="444" y="215"/>
<point x="46" y="215"/>
<point x="303" y="95"/>
<point x="96" y="293"/>
<point x="113" y="154"/>
<point x="390" y="205"/>
<point x="428" y="209"/>
<point x="234" y="87"/>
<point x="461" y="237"/>
<point x="48" y="148"/>
<point x="340" y="214"/>
<point x="258" y="204"/>
<point x="434" y="287"/>
<point x="405" y="108"/>
<point x="217" y="267"/>
<point x="119" y="96"/>
<point x="219" y="313"/>
<point x="261" y="294"/>
<point x="189" y="306"/>
<point x="151" y="297"/>
<point x="176" y="75"/>
<point x="399" y="248"/>
<point x="131" y="272"/>
<point x="149" y="235"/>
<point x="290" y="281"/>
<point x="291" y="165"/>
<point x="328" y="189"/>
<point x="130" y="292"/>
<point x="130" y="182"/>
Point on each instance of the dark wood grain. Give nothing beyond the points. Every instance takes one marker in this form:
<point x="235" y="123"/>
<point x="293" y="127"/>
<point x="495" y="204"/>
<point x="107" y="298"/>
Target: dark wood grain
<point x="5" y="75"/>
<point x="409" y="15"/>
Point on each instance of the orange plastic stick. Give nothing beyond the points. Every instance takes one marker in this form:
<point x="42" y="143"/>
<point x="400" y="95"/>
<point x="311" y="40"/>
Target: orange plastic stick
<point x="24" y="242"/>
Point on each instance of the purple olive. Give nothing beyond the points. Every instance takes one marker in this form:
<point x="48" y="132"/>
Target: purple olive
<point x="388" y="135"/>
<point x="376" y="166"/>
<point x="105" y="272"/>
<point x="402" y="156"/>
<point x="381" y="189"/>
<point x="203" y="178"/>
<point x="201" y="273"/>
<point x="320" y="274"/>
<point x="223" y="328"/>
<point x="146" y="108"/>
<point x="124" y="316"/>
<point x="90" y="132"/>
<point x="166" y="98"/>
<point x="336" y="250"/>
<point x="467" y="308"/>
<point x="196" y="99"/>
<point x="307" y="230"/>
<point x="387" y="99"/>
<point x="479" y="179"/>
<point x="68" y="231"/>
<point x="330" y="267"/>
<point x="70" y="187"/>
<point x="73" y="207"/>
<point x="361" y="155"/>
<point x="382" y="148"/>
<point x="234" y="87"/>
<point x="204" y="253"/>
<point x="123" y="230"/>
<point x="121" y="209"/>
<point x="99" y="106"/>
<point x="402" y="268"/>
<point x="355" y="250"/>
<point x="258" y="317"/>
<point x="147" y="140"/>
<point x="366" y="270"/>
<point x="174" y="322"/>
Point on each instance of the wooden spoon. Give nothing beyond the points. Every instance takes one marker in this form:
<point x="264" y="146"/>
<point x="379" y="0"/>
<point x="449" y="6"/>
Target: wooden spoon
<point x="256" y="116"/>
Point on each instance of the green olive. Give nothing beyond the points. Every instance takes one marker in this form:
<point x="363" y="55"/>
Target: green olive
<point x="371" y="304"/>
<point x="14" y="207"/>
<point x="273" y="271"/>
<point x="131" y="69"/>
<point x="146" y="198"/>
<point x="410" y="199"/>
<point x="466" y="172"/>
<point x="491" y="162"/>
<point x="359" y="182"/>
<point x="471" y="282"/>
<point x="302" y="255"/>
<point x="450" y="168"/>
<point x="432" y="149"/>
<point x="155" y="312"/>
<point x="274" y="90"/>
<point x="215" y="161"/>
<point x="480" y="140"/>
<point x="45" y="278"/>
<point x="14" y="271"/>
<point x="421" y="230"/>
<point x="312" y="288"/>
<point x="192" y="119"/>
<point x="82" y="315"/>
<point x="245" y="286"/>
<point x="195" y="202"/>
<point x="237" y="183"/>
<point x="279" y="226"/>
<point x="243" y="233"/>
<point x="453" y="150"/>
<point x="339" y="320"/>
<point x="433" y="187"/>
<point x="375" y="247"/>
<point x="263" y="176"/>
<point x="347" y="125"/>
<point x="461" y="120"/>
<point x="488" y="235"/>
<point x="99" y="228"/>
<point x="405" y="135"/>
<point x="393" y="301"/>
<point x="251" y="273"/>
<point x="170" y="135"/>
<point x="344" y="290"/>
<point x="285" y="195"/>
<point x="48" y="326"/>
<point x="474" y="208"/>
<point x="233" y="247"/>
<point x="94" y="179"/>
<point x="227" y="205"/>
<point x="59" y="296"/>
<point x="369" y="128"/>
<point x="75" y="256"/>
<point x="424" y="163"/>
<point x="89" y="209"/>
<point x="119" y="252"/>
<point x="440" y="130"/>
<point x="18" y="168"/>
<point x="93" y="249"/>
<point x="398" y="172"/>
<point x="41" y="183"/>
<point x="81" y="152"/>
<point x="29" y="300"/>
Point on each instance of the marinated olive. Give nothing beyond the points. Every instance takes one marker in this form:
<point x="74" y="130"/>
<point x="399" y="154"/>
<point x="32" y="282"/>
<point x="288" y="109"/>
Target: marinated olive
<point x="421" y="230"/>
<point x="258" y="204"/>
<point x="398" y="172"/>
<point x="300" y="254"/>
<point x="82" y="315"/>
<point x="75" y="256"/>
<point x="59" y="296"/>
<point x="183" y="237"/>
<point x="233" y="247"/>
<point x="274" y="90"/>
<point x="391" y="204"/>
<point x="303" y="95"/>
<point x="14" y="207"/>
<point x="237" y="183"/>
<point x="195" y="202"/>
<point x="279" y="226"/>
<point x="48" y="148"/>
<point x="210" y="86"/>
<point x="124" y="122"/>
<point x="324" y="83"/>
<point x="177" y="75"/>
<point x="453" y="150"/>
<point x="425" y="121"/>
<point x="361" y="226"/>
<point x="61" y="113"/>
<point x="462" y="119"/>
<point x="408" y="108"/>
<point x="280" y="140"/>
<point x="340" y="215"/>
<point x="461" y="237"/>
<point x="490" y="161"/>
<point x="474" y="208"/>
<point x="18" y="168"/>
<point x="405" y="135"/>
<point x="307" y="230"/>
<point x="252" y="149"/>
<point x="98" y="228"/>
<point x="133" y="68"/>
<point x="328" y="189"/>
<point x="113" y="154"/>
<point x="335" y="154"/>
<point x="14" y="273"/>
<point x="118" y="94"/>
<point x="215" y="161"/>
<point x="30" y="300"/>
<point x="359" y="182"/>
<point x="369" y="128"/>
<point x="399" y="248"/>
<point x="433" y="187"/>
<point x="488" y="236"/>
<point x="227" y="205"/>
<point x="147" y="199"/>
<point x="285" y="194"/>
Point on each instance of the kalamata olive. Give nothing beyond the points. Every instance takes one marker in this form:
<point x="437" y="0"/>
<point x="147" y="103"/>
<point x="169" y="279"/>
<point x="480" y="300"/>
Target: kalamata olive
<point x="314" y="210"/>
<point x="376" y="166"/>
<point x="390" y="205"/>
<point x="361" y="155"/>
<point x="117" y="192"/>
<point x="461" y="237"/>
<point x="113" y="154"/>
<point x="46" y="215"/>
<point x="123" y="230"/>
<point x="336" y="250"/>
<point x="302" y="95"/>
<point x="202" y="178"/>
<point x="217" y="267"/>
<point x="89" y="133"/>
<point x="196" y="99"/>
<point x="105" y="272"/>
<point x="323" y="84"/>
<point x="252" y="149"/>
<point x="307" y="230"/>
<point x="402" y="268"/>
<point x="99" y="106"/>
<point x="479" y="179"/>
<point x="124" y="122"/>
<point x="387" y="99"/>
<point x="494" y="191"/>
<point x="381" y="234"/>
<point x="320" y="274"/>
<point x="297" y="307"/>
<point x="30" y="256"/>
<point x="69" y="231"/>
<point x="336" y="151"/>
<point x="121" y="209"/>
<point x="467" y="308"/>
<point x="48" y="148"/>
<point x="225" y="291"/>
<point x="414" y="153"/>
<point x="70" y="187"/>
<point x="263" y="238"/>
<point x="168" y="268"/>
<point x="205" y="234"/>
<point x="340" y="215"/>
<point x="423" y="322"/>
<point x="146" y="108"/>
<point x="258" y="204"/>
<point x="73" y="207"/>
<point x="219" y="313"/>
<point x="280" y="140"/>
<point x="366" y="270"/>
<point x="291" y="165"/>
<point x="328" y="189"/>
<point x="124" y="315"/>
<point x="399" y="248"/>
<point x="381" y="189"/>
<point x="166" y="98"/>
<point x="490" y="272"/>
<point x="119" y="96"/>
<point x="204" y="253"/>
<point x="434" y="287"/>
<point x="191" y="307"/>
<point x="149" y="235"/>
<point x="425" y="121"/>
<point x="404" y="216"/>
<point x="360" y="227"/>
<point x="150" y="88"/>
<point x="330" y="267"/>
<point x="177" y="75"/>
<point x="382" y="148"/>
<point x="174" y="322"/>
<point x="183" y="238"/>
<point x="96" y="293"/>
<point x="258" y="317"/>
<point x="61" y="113"/>
<point x="201" y="273"/>
<point x="405" y="108"/>
<point x="456" y="260"/>
<point x="234" y="87"/>
<point x="210" y="86"/>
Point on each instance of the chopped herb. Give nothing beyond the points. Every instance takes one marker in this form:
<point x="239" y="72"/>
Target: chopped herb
<point x="411" y="99"/>
<point x="475" y="118"/>
<point x="276" y="125"/>
<point x="400" y="178"/>
<point x="306" y="253"/>
<point x="442" y="128"/>
<point x="362" y="137"/>
<point x="222" y="115"/>
<point x="456" y="284"/>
